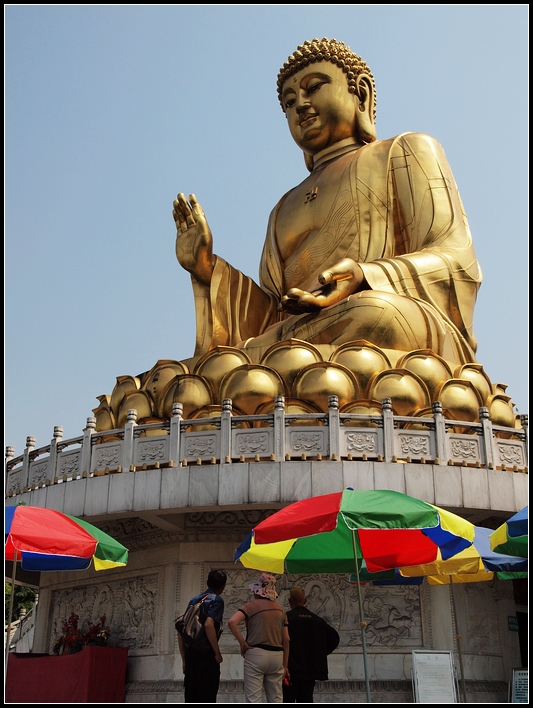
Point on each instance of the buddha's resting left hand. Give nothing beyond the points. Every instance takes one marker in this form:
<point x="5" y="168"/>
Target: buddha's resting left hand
<point x="333" y="285"/>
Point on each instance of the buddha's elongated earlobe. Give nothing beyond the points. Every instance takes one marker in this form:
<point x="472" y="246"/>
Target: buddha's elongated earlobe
<point x="309" y="161"/>
<point x="366" y="126"/>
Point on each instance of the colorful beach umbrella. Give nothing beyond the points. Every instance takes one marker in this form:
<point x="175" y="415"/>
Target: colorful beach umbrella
<point x="511" y="538"/>
<point x="392" y="530"/>
<point x="47" y="540"/>
<point x="334" y="533"/>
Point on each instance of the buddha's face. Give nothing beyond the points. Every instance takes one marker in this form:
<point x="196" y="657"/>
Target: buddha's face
<point x="319" y="108"/>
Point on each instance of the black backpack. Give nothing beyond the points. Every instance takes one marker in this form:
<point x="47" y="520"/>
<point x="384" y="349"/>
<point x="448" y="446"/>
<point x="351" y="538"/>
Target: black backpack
<point x="190" y="625"/>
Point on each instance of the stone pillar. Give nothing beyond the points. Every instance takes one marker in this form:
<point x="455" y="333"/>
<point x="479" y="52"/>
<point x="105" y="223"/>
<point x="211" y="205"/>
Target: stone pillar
<point x="87" y="446"/>
<point x="30" y="446"/>
<point x="486" y="430"/>
<point x="127" y="449"/>
<point x="10" y="454"/>
<point x="524" y="420"/>
<point x="175" y="434"/>
<point x="388" y="428"/>
<point x="441" y="447"/>
<point x="225" y="431"/>
<point x="54" y="449"/>
<point x="334" y="427"/>
<point x="279" y="428"/>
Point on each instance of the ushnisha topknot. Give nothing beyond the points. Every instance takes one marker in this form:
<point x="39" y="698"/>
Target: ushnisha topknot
<point x="326" y="50"/>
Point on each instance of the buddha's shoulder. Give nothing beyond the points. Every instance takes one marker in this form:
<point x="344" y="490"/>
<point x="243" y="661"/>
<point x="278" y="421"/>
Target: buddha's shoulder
<point x="414" y="139"/>
<point x="418" y="143"/>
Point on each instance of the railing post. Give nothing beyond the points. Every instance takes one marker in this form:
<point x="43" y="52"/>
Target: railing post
<point x="175" y="432"/>
<point x="86" y="446"/>
<point x="127" y="450"/>
<point x="486" y="432"/>
<point x="388" y="428"/>
<point x="441" y="446"/>
<point x="30" y="445"/>
<point x="10" y="454"/>
<point x="524" y="421"/>
<point x="225" y="431"/>
<point x="279" y="427"/>
<point x="52" y="461"/>
<point x="334" y="423"/>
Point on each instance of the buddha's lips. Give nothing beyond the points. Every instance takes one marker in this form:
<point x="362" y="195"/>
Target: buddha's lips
<point x="307" y="117"/>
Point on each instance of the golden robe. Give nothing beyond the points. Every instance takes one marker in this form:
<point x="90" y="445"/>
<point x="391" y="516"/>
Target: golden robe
<point x="398" y="213"/>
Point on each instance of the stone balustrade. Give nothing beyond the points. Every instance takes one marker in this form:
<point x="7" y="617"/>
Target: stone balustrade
<point x="279" y="436"/>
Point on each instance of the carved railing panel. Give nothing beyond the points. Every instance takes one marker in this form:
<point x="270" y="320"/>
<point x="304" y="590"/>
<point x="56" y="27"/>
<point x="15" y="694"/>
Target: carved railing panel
<point x="274" y="436"/>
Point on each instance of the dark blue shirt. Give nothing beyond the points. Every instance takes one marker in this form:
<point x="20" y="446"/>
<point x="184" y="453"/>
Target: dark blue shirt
<point x="213" y="605"/>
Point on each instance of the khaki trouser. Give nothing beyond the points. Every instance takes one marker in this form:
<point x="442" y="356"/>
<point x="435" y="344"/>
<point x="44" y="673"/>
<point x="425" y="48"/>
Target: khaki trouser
<point x="263" y="669"/>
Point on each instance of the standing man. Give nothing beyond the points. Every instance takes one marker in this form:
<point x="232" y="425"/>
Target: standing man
<point x="266" y="647"/>
<point x="202" y="669"/>
<point x="311" y="640"/>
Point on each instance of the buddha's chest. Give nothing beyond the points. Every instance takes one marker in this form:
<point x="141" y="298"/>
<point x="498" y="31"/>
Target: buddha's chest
<point x="307" y="207"/>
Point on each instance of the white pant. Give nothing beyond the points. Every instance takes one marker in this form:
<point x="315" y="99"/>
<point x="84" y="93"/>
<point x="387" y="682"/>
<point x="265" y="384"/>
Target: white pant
<point x="263" y="669"/>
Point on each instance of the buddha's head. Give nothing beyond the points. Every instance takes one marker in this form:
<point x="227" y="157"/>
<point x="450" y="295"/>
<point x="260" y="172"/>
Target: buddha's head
<point x="328" y="94"/>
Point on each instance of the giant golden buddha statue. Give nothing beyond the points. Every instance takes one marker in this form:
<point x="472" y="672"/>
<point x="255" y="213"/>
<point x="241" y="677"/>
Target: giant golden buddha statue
<point x="367" y="281"/>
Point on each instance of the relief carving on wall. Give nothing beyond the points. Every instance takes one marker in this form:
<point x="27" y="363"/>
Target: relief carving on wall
<point x="14" y="481"/>
<point x="199" y="446"/>
<point x="151" y="450"/>
<point x="393" y="613"/>
<point x="38" y="473"/>
<point x="414" y="444"/>
<point x="361" y="442"/>
<point x="464" y="448"/>
<point x="307" y="442"/>
<point x="510" y="454"/>
<point x="106" y="457"/>
<point x="137" y="533"/>
<point x="252" y="443"/>
<point x="69" y="465"/>
<point x="129" y="606"/>
<point x="479" y="621"/>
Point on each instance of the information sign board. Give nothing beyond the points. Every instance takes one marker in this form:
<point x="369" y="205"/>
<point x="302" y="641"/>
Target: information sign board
<point x="434" y="677"/>
<point x="519" y="686"/>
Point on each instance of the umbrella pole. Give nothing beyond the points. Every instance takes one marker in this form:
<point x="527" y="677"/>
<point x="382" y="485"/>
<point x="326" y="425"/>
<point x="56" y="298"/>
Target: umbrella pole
<point x="361" y="617"/>
<point x="8" y="630"/>
<point x="458" y="637"/>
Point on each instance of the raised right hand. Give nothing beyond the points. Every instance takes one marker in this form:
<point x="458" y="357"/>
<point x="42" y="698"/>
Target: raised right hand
<point x="194" y="241"/>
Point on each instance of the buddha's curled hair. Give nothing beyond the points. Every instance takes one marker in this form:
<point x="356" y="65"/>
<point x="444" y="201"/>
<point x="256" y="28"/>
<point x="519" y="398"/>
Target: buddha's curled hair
<point x="326" y="50"/>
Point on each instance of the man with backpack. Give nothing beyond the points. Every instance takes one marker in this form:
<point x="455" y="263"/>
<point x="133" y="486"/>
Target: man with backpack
<point x="201" y="660"/>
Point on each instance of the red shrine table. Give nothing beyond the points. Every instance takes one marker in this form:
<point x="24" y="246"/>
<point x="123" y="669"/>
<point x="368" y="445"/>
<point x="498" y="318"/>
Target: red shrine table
<point x="93" y="675"/>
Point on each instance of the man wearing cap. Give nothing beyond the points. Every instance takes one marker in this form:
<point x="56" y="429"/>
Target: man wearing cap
<point x="266" y="646"/>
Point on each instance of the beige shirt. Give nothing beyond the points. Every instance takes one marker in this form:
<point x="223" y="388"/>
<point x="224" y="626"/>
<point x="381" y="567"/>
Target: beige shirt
<point x="265" y="620"/>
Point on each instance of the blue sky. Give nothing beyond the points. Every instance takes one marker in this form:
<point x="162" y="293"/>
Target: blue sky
<point x="111" y="110"/>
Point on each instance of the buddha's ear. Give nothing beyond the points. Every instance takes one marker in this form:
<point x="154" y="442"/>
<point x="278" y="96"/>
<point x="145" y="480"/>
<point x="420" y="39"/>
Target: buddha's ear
<point x="366" y="101"/>
<point x="309" y="161"/>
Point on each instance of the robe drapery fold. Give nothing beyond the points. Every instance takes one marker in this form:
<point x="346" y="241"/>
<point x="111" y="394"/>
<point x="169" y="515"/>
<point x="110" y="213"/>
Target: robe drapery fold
<point x="398" y="213"/>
